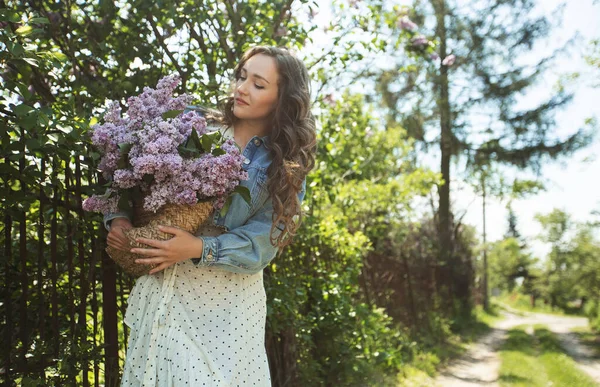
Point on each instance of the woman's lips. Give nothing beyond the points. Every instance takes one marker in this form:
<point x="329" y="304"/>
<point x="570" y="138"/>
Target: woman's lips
<point x="241" y="101"/>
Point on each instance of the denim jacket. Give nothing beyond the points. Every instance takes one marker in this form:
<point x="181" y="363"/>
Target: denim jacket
<point x="245" y="247"/>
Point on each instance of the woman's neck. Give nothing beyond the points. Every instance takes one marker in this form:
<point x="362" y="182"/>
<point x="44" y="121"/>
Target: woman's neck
<point x="244" y="130"/>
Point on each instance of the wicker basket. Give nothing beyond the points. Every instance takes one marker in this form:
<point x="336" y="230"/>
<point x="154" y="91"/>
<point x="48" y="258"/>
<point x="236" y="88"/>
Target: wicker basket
<point x="185" y="217"/>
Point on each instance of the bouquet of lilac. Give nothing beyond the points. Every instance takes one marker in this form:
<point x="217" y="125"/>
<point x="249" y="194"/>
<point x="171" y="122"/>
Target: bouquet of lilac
<point x="162" y="163"/>
<point x="167" y="156"/>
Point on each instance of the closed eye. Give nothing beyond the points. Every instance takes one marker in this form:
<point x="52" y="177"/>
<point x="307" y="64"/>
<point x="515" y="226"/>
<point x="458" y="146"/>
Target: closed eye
<point x="255" y="85"/>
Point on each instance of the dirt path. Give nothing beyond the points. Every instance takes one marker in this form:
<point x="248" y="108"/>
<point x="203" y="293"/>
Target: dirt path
<point x="479" y="366"/>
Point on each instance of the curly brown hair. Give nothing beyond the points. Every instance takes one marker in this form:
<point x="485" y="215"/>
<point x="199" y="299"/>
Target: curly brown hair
<point x="292" y="139"/>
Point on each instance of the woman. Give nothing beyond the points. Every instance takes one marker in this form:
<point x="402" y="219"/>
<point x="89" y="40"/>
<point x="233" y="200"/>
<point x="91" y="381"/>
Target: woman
<point x="198" y="317"/>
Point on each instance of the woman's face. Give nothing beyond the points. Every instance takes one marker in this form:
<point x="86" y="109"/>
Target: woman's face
<point x="256" y="88"/>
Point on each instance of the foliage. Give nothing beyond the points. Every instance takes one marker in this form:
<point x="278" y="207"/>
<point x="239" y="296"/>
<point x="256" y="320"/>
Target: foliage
<point x="593" y="58"/>
<point x="509" y="262"/>
<point x="569" y="276"/>
<point x="362" y="185"/>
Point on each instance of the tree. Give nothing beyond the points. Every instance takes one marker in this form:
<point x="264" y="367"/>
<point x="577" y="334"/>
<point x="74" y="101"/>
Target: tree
<point x="469" y="98"/>
<point x="508" y="262"/>
<point x="572" y="268"/>
<point x="557" y="282"/>
<point x="512" y="231"/>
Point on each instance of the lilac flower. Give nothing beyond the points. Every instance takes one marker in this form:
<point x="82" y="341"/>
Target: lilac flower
<point x="152" y="145"/>
<point x="219" y="203"/>
<point x="330" y="100"/>
<point x="434" y="56"/>
<point x="419" y="40"/>
<point x="124" y="178"/>
<point x="449" y="60"/>
<point x="113" y="114"/>
<point x="97" y="204"/>
<point x="406" y="24"/>
<point x="108" y="164"/>
<point x="353" y="3"/>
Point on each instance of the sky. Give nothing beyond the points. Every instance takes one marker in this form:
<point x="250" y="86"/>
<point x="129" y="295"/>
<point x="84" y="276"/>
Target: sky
<point x="570" y="181"/>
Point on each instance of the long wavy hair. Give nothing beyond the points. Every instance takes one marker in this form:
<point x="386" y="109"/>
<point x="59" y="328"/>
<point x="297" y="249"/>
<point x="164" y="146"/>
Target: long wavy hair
<point x="292" y="139"/>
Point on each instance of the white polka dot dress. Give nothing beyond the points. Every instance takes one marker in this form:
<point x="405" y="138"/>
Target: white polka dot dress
<point x="197" y="326"/>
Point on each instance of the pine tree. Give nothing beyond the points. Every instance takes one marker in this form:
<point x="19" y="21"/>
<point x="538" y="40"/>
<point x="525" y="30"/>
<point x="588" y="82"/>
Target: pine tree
<point x="512" y="231"/>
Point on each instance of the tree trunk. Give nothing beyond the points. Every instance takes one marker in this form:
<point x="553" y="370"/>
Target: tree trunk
<point x="445" y="229"/>
<point x="486" y="300"/>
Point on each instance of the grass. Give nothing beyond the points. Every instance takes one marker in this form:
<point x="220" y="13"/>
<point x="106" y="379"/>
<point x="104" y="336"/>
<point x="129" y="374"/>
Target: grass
<point x="522" y="302"/>
<point x="538" y="360"/>
<point x="489" y="317"/>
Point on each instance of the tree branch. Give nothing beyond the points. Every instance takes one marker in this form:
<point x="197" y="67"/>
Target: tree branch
<point x="163" y="45"/>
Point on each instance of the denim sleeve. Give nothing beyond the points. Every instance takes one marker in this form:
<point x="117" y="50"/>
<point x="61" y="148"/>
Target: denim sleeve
<point x="109" y="217"/>
<point x="246" y="249"/>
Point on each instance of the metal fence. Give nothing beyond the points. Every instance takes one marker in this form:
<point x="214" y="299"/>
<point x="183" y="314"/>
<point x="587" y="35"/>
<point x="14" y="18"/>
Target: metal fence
<point x="62" y="297"/>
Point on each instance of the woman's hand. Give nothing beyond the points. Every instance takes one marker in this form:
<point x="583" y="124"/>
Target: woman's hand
<point x="166" y="253"/>
<point x="116" y="238"/>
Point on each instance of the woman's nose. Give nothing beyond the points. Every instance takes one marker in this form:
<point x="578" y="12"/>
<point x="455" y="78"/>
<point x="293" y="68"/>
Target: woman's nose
<point x="242" y="88"/>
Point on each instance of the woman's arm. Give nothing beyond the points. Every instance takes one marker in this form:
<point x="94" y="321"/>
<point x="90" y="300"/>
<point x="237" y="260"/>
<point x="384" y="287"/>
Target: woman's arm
<point x="246" y="249"/>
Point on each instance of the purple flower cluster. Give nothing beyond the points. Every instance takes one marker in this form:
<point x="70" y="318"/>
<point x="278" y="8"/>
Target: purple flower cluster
<point x="142" y="150"/>
<point x="449" y="60"/>
<point x="97" y="203"/>
<point x="419" y="40"/>
<point x="406" y="24"/>
<point x="417" y="43"/>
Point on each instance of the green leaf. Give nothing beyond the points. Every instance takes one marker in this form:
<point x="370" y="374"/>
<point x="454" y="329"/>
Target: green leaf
<point x="206" y="143"/>
<point x="226" y="206"/>
<point x="195" y="140"/>
<point x="31" y="61"/>
<point x="43" y="119"/>
<point x="244" y="192"/>
<point x="23" y="110"/>
<point x="171" y="114"/>
<point x="24" y="30"/>
<point x="8" y="169"/>
<point x="29" y="121"/>
<point x="187" y="152"/>
<point x="32" y="144"/>
<point x="59" y="56"/>
<point x="208" y="139"/>
<point x="39" y="20"/>
<point x="218" y="152"/>
<point x="16" y="49"/>
<point x="124" y="149"/>
<point x="9" y="15"/>
<point x="25" y="93"/>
